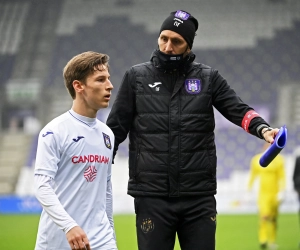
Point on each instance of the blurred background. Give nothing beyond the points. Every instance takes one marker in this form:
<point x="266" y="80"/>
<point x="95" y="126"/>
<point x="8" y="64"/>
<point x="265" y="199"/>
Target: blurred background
<point x="254" y="44"/>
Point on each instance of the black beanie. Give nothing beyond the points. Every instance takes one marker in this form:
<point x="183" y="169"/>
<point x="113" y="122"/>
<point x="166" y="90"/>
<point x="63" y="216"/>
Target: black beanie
<point x="182" y="23"/>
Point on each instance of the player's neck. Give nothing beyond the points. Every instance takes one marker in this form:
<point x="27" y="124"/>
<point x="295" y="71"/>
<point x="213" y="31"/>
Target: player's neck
<point x="81" y="109"/>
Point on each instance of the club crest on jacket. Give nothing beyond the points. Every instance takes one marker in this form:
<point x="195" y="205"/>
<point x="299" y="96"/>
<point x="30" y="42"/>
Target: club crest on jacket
<point x="192" y="86"/>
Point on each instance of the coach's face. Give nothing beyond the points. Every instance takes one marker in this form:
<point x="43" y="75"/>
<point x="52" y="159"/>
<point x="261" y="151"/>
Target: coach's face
<point x="170" y="42"/>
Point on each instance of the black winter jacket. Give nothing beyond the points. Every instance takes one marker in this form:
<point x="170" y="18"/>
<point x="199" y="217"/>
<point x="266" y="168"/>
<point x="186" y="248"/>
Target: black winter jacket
<point x="170" y="120"/>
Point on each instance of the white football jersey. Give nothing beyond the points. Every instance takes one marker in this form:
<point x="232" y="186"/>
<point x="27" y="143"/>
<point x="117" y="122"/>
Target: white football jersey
<point x="76" y="152"/>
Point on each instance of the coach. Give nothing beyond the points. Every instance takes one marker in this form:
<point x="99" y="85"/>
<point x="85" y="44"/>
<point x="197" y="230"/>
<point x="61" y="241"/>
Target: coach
<point x="166" y="106"/>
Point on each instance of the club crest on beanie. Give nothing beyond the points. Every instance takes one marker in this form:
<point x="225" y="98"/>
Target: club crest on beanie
<point x="182" y="23"/>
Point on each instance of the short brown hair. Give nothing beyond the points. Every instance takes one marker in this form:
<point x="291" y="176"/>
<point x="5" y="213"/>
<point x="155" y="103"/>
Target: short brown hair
<point x="82" y="65"/>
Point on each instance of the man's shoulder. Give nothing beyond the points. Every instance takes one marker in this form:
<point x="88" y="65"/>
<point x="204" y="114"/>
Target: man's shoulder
<point x="106" y="129"/>
<point x="204" y="69"/>
<point x="140" y="68"/>
<point x="55" y="122"/>
<point x="201" y="65"/>
<point x="141" y="65"/>
<point x="56" y="126"/>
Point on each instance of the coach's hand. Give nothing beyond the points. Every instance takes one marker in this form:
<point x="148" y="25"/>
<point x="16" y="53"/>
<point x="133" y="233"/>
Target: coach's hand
<point x="78" y="239"/>
<point x="269" y="134"/>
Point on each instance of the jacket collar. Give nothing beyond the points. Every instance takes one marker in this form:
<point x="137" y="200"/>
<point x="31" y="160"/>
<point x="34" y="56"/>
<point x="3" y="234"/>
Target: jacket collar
<point x="181" y="66"/>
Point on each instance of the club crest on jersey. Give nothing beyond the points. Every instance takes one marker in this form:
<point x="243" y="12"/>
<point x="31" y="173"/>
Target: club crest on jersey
<point x="193" y="86"/>
<point x="106" y="140"/>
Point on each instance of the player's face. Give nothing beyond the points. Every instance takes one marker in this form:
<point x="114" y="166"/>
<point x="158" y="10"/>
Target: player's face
<point x="97" y="89"/>
<point x="170" y="42"/>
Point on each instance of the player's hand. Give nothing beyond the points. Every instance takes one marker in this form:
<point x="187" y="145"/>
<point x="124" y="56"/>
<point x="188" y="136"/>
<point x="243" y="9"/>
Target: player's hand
<point x="269" y="135"/>
<point x="78" y="239"/>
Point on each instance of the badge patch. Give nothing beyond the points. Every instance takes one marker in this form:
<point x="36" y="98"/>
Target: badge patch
<point x="106" y="140"/>
<point x="193" y="86"/>
<point x="147" y="225"/>
<point x="182" y="15"/>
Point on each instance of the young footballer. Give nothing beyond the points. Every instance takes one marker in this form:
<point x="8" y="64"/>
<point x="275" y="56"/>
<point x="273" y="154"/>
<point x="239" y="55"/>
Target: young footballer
<point x="73" y="164"/>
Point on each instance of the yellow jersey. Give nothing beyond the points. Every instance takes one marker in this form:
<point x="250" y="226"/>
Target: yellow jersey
<point x="271" y="178"/>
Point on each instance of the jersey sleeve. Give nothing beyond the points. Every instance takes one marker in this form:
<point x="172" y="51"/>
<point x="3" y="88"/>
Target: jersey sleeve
<point x="109" y="205"/>
<point x="109" y="194"/>
<point x="231" y="106"/>
<point x="48" y="153"/>
<point x="51" y="204"/>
